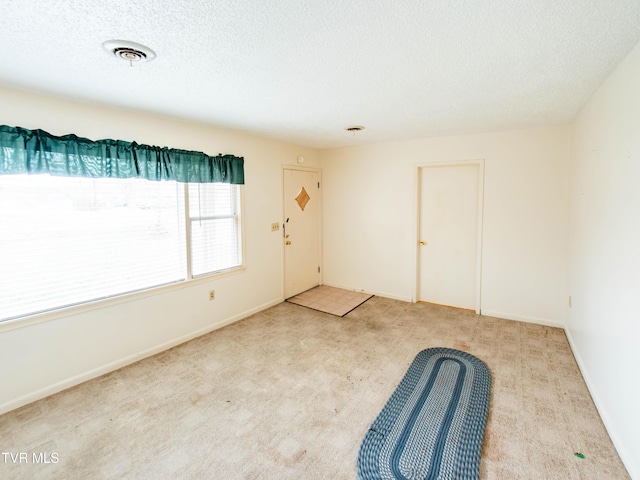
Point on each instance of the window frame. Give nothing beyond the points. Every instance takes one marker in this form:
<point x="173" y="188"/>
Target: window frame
<point x="189" y="219"/>
<point x="189" y="281"/>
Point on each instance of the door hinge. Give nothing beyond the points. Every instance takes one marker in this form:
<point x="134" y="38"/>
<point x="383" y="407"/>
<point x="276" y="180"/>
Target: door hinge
<point x="318" y="184"/>
<point x="318" y="269"/>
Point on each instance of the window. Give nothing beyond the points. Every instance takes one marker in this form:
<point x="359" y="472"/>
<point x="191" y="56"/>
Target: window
<point x="215" y="229"/>
<point x="66" y="241"/>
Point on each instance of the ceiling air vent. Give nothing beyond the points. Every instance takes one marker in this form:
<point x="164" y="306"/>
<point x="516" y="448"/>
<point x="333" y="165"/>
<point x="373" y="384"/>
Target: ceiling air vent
<point x="129" y="51"/>
<point x="353" y="129"/>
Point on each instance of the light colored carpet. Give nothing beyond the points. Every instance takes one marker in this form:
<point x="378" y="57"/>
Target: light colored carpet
<point x="290" y="392"/>
<point x="335" y="301"/>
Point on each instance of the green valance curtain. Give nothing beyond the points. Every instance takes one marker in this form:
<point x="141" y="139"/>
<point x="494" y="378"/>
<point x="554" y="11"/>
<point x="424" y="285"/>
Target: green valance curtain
<point x="25" y="151"/>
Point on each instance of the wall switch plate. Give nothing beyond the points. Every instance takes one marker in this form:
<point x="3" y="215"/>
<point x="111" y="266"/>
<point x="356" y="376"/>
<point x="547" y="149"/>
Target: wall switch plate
<point x="275" y="227"/>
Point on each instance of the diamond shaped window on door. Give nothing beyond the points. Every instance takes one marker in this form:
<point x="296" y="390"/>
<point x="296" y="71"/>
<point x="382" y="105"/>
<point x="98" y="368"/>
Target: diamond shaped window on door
<point x="303" y="198"/>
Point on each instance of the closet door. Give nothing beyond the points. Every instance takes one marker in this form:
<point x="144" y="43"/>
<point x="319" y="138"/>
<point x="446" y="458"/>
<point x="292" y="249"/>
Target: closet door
<point x="449" y="243"/>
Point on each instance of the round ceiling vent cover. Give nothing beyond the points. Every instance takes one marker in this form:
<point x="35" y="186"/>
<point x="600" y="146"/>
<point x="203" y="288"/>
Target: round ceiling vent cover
<point x="129" y="51"/>
<point x="130" y="54"/>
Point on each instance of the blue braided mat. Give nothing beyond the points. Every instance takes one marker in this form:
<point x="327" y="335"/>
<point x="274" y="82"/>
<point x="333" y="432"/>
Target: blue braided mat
<point x="433" y="425"/>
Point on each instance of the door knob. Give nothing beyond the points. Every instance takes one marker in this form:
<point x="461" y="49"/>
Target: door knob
<point x="288" y="242"/>
<point x="423" y="243"/>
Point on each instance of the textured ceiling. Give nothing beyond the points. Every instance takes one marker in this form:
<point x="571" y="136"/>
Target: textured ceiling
<point x="301" y="71"/>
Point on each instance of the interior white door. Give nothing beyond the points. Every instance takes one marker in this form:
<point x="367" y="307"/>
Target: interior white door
<point x="301" y="231"/>
<point x="448" y="250"/>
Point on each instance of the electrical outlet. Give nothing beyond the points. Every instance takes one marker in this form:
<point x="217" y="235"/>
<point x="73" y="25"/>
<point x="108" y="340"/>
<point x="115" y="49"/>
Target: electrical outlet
<point x="275" y="227"/>
<point x="212" y="294"/>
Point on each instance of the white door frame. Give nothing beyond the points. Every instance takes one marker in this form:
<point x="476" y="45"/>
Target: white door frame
<point x="417" y="185"/>
<point x="304" y="169"/>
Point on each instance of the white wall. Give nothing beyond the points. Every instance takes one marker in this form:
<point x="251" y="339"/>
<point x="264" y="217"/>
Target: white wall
<point x="369" y="218"/>
<point x="41" y="358"/>
<point x="603" y="324"/>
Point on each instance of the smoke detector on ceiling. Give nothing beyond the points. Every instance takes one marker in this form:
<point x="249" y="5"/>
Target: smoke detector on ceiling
<point x="131" y="52"/>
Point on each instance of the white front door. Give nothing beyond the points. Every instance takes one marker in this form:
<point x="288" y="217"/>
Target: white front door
<point x="301" y="230"/>
<point x="449" y="255"/>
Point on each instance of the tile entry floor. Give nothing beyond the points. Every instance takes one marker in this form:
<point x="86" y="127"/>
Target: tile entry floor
<point x="335" y="301"/>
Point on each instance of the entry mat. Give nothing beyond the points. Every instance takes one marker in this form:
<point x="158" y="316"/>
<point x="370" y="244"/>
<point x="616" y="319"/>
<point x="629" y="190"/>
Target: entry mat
<point x="335" y="301"/>
<point x="433" y="425"/>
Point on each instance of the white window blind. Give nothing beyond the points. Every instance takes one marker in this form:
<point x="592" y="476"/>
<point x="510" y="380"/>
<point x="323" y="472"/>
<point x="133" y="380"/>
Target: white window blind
<point x="214" y="224"/>
<point x="66" y="241"/>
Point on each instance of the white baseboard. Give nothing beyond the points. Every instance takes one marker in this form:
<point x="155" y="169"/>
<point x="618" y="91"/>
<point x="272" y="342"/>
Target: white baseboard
<point x="521" y="318"/>
<point x="110" y="367"/>
<point x="377" y="294"/>
<point x="488" y="313"/>
<point x="625" y="456"/>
